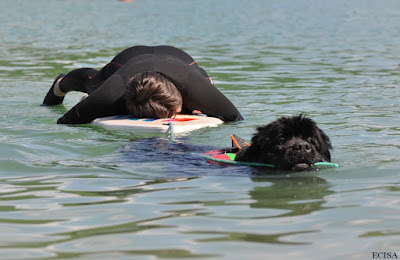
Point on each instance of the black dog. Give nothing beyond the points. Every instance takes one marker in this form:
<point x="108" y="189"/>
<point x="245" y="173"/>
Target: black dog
<point x="289" y="143"/>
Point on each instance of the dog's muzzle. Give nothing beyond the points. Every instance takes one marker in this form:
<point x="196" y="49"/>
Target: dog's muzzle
<point x="301" y="155"/>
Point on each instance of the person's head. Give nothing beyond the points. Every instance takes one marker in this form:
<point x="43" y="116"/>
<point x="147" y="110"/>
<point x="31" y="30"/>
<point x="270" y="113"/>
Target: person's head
<point x="151" y="95"/>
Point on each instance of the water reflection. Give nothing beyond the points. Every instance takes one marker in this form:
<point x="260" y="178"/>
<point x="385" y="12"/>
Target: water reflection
<point x="73" y="204"/>
<point x="254" y="238"/>
<point x="298" y="195"/>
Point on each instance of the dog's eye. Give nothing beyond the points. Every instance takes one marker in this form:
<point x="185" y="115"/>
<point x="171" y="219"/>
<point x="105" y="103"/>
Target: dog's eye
<point x="281" y="141"/>
<point x="312" y="141"/>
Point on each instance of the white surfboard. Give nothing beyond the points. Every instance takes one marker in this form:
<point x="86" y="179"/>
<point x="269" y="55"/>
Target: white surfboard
<point x="181" y="123"/>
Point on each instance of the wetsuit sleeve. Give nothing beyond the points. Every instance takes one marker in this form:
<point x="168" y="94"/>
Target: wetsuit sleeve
<point x="107" y="100"/>
<point x="200" y="94"/>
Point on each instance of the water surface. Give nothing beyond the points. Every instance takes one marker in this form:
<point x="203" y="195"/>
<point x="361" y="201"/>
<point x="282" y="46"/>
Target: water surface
<point x="86" y="192"/>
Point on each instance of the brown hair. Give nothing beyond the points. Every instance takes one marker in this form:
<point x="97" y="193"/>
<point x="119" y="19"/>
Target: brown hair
<point x="152" y="95"/>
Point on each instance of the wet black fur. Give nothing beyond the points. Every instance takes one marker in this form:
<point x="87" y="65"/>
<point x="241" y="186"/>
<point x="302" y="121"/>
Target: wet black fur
<point x="290" y="143"/>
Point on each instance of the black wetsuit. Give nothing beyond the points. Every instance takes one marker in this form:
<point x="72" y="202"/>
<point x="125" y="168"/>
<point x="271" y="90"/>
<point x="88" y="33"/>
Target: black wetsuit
<point x="107" y="87"/>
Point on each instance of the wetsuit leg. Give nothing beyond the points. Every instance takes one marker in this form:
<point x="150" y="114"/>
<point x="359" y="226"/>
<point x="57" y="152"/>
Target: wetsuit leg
<point x="87" y="80"/>
<point x="51" y="99"/>
<point x="83" y="80"/>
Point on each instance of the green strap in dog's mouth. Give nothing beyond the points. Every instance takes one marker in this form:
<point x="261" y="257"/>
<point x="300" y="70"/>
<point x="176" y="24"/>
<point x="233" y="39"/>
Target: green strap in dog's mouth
<point x="231" y="160"/>
<point x="327" y="164"/>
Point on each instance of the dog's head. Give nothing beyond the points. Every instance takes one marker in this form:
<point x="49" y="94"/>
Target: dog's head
<point x="290" y="143"/>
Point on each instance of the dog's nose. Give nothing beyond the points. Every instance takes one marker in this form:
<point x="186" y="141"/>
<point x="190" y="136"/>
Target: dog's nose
<point x="302" y="146"/>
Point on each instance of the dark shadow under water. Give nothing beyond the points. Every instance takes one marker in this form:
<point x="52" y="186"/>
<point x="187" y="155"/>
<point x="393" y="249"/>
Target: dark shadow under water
<point x="180" y="158"/>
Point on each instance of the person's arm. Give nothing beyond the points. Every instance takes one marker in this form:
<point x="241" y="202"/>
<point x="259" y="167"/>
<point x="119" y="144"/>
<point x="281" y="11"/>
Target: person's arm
<point x="107" y="100"/>
<point x="200" y="94"/>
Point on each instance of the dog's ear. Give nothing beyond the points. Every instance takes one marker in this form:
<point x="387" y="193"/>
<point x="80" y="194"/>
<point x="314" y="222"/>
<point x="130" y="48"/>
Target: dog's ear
<point x="324" y="143"/>
<point x="259" y="146"/>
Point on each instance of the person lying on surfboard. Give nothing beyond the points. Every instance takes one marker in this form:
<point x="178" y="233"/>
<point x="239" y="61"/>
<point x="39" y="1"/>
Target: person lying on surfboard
<point x="144" y="81"/>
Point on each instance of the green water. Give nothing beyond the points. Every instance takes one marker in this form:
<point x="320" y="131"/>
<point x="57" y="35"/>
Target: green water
<point x="85" y="192"/>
